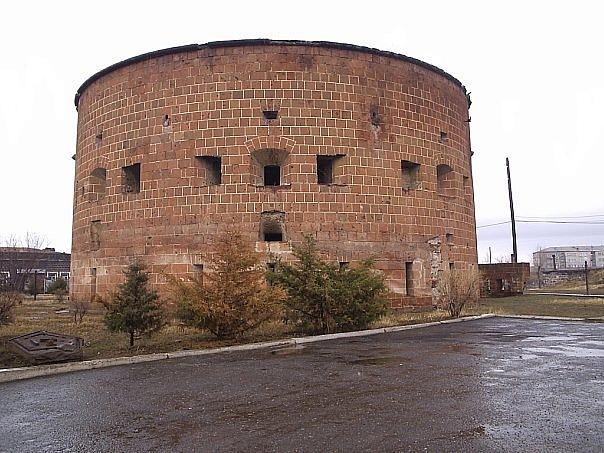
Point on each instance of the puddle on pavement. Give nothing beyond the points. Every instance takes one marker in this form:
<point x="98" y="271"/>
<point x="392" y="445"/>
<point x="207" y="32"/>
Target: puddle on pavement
<point x="569" y="351"/>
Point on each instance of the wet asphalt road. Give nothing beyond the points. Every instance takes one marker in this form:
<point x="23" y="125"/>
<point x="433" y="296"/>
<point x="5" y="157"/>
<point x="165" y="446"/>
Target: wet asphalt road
<point x="488" y="385"/>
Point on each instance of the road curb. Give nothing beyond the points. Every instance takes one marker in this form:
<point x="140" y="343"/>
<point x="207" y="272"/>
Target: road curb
<point x="551" y="318"/>
<point x="15" y="374"/>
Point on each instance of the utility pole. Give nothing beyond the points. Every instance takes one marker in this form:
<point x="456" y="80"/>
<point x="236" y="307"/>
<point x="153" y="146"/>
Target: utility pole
<point x="586" y="280"/>
<point x="490" y="258"/>
<point x="514" y="247"/>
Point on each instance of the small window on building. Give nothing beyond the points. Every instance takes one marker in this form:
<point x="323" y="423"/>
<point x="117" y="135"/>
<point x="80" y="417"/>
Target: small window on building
<point x="325" y="169"/>
<point x="270" y="114"/>
<point x="131" y="178"/>
<point x="449" y="238"/>
<point x="410" y="174"/>
<point x="272" y="226"/>
<point x="271" y="267"/>
<point x="329" y="169"/>
<point x="445" y="180"/>
<point x="443" y="137"/>
<point x="198" y="269"/>
<point x="344" y="264"/>
<point x="210" y="170"/>
<point x="272" y="175"/>
<point x="451" y="265"/>
<point x="65" y="275"/>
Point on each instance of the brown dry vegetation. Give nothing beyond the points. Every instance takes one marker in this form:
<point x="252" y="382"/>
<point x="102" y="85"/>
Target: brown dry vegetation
<point x="100" y="343"/>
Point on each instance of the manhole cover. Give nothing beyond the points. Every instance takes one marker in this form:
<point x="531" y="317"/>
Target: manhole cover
<point x="46" y="347"/>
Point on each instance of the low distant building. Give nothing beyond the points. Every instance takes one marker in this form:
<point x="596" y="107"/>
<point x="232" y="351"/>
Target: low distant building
<point x="19" y="266"/>
<point x="569" y="258"/>
<point x="503" y="279"/>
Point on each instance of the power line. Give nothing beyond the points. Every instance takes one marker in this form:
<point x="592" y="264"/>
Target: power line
<point x="567" y="222"/>
<point x="562" y="221"/>
<point x="562" y="217"/>
<point x="493" y="224"/>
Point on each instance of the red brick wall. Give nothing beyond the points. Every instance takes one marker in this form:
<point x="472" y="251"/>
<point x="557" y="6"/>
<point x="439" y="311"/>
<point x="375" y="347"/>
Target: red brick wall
<point x="377" y="110"/>
<point x="503" y="279"/>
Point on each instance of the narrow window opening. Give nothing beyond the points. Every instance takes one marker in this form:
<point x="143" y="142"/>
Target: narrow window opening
<point x="166" y="121"/>
<point x="270" y="114"/>
<point x="410" y="174"/>
<point x="272" y="175"/>
<point x="210" y="169"/>
<point x="132" y="178"/>
<point x="409" y="278"/>
<point x="325" y="169"/>
<point x="451" y="265"/>
<point x="198" y="268"/>
<point x="98" y="139"/>
<point x="449" y="238"/>
<point x="443" y="137"/>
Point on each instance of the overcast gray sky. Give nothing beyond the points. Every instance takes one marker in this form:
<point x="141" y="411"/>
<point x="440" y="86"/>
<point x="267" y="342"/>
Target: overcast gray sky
<point x="535" y="70"/>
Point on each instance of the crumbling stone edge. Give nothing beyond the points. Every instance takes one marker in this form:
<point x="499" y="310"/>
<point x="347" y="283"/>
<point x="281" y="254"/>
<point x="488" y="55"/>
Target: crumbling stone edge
<point x="15" y="374"/>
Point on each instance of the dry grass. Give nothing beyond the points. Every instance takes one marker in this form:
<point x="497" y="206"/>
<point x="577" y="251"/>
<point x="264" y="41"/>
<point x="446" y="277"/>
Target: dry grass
<point x="531" y="304"/>
<point x="49" y="314"/>
<point x="100" y="343"/>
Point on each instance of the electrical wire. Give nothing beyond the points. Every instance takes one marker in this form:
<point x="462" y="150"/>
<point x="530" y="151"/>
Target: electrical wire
<point x="567" y="222"/>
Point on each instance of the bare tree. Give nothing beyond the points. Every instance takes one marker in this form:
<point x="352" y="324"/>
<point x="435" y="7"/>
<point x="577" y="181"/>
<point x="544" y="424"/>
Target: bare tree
<point x="19" y="259"/>
<point x="456" y="288"/>
<point x="8" y="303"/>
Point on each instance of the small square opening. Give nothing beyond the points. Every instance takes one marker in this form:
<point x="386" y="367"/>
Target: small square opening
<point x="273" y="237"/>
<point x="410" y="172"/>
<point x="211" y="169"/>
<point x="132" y="178"/>
<point x="443" y="137"/>
<point x="272" y="175"/>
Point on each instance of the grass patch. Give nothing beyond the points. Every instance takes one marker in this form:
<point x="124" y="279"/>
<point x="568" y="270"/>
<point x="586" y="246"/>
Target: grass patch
<point x="49" y="314"/>
<point x="531" y="304"/>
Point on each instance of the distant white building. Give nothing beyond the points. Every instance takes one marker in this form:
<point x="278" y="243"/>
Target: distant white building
<point x="569" y="258"/>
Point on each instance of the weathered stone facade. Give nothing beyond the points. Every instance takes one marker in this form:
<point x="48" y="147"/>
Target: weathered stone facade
<point x="503" y="279"/>
<point x="368" y="151"/>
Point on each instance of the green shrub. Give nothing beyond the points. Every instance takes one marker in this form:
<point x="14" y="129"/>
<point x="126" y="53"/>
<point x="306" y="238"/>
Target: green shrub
<point x="133" y="308"/>
<point x="324" y="297"/>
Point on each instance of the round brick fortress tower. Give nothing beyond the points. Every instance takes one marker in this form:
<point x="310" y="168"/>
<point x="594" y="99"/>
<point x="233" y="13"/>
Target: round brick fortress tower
<point x="368" y="151"/>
